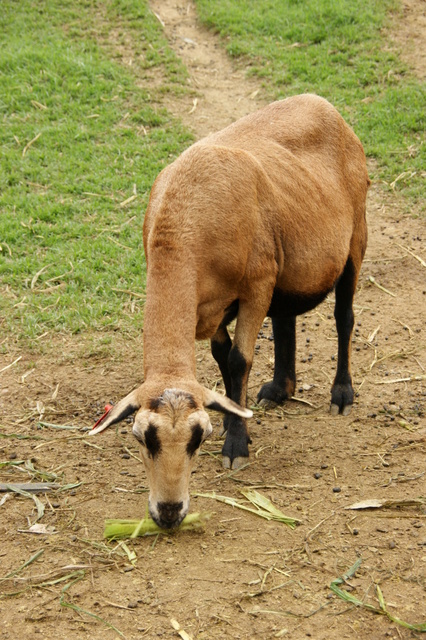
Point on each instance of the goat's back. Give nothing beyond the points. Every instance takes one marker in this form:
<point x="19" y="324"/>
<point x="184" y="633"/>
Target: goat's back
<point x="306" y="127"/>
<point x="277" y="196"/>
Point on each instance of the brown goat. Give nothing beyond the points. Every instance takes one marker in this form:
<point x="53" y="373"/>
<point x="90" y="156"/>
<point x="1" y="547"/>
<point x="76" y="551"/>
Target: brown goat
<point x="264" y="218"/>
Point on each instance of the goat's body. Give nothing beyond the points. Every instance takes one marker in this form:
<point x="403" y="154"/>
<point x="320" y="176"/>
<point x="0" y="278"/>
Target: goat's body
<point x="274" y="201"/>
<point x="262" y="218"/>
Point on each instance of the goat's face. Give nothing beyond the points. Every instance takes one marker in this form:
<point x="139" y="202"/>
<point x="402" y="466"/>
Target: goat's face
<point x="170" y="426"/>
<point x="170" y="433"/>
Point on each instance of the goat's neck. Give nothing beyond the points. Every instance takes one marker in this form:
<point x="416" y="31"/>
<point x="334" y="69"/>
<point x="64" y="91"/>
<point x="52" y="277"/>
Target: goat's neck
<point x="170" y="319"/>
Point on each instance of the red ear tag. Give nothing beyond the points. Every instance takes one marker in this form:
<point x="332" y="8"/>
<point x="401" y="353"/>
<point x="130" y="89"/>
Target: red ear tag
<point x="108" y="408"/>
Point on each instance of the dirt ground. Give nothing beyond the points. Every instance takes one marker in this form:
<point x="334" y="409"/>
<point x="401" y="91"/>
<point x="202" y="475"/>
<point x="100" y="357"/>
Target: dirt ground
<point x="243" y="577"/>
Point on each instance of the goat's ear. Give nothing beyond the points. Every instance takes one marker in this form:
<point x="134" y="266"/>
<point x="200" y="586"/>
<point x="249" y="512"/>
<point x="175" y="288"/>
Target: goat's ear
<point x="121" y="410"/>
<point x="218" y="402"/>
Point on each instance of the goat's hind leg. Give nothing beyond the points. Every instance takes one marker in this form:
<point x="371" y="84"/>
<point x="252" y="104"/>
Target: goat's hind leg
<point x="283" y="384"/>
<point x="342" y="393"/>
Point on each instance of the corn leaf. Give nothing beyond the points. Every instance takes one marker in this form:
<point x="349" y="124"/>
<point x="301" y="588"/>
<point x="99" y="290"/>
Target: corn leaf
<point x="131" y="555"/>
<point x="64" y="603"/>
<point x="264" y="504"/>
<point x="11" y="463"/>
<point x="263" y="507"/>
<point x="38" y="503"/>
<point x="348" y="597"/>
<point x="23" y="566"/>
<point x="115" y="529"/>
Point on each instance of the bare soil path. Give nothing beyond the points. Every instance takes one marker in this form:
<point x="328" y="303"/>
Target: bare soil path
<point x="224" y="93"/>
<point x="410" y="35"/>
<point x="244" y="577"/>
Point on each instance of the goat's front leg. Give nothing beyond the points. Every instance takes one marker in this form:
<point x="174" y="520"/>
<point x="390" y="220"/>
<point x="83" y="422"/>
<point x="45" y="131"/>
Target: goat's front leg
<point x="221" y="345"/>
<point x="235" y="450"/>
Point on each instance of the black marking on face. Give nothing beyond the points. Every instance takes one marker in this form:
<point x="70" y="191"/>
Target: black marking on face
<point x="155" y="403"/>
<point x="195" y="441"/>
<point x="189" y="398"/>
<point x="152" y="441"/>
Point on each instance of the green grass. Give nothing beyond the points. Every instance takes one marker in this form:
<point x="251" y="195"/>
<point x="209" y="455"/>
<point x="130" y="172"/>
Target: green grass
<point x="129" y="33"/>
<point x="100" y="141"/>
<point x="338" y="49"/>
<point x="83" y="131"/>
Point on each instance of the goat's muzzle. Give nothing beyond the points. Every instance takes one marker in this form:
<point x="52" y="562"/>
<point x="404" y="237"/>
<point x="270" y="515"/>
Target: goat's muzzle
<point x="168" y="515"/>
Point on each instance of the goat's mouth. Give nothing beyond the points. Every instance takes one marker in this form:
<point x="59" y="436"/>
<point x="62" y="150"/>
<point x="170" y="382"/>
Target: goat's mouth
<point x="167" y="515"/>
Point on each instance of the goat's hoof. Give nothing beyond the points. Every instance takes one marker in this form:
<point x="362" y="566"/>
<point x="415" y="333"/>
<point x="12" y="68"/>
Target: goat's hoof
<point x="236" y="463"/>
<point x="273" y="394"/>
<point x="239" y="462"/>
<point x="342" y="397"/>
<point x="226" y="462"/>
<point x="267" y="404"/>
<point x="334" y="409"/>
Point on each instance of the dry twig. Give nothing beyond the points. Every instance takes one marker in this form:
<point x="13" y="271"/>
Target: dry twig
<point x="379" y="286"/>
<point x="28" y="145"/>
<point x="422" y="262"/>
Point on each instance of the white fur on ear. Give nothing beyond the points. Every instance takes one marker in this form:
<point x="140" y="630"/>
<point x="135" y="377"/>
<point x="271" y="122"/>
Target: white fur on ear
<point x="218" y="402"/>
<point x="121" y="410"/>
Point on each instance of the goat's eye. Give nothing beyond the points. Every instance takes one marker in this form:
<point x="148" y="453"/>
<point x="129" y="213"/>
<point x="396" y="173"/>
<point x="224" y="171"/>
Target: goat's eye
<point x="195" y="440"/>
<point x="139" y="437"/>
<point x="152" y="441"/>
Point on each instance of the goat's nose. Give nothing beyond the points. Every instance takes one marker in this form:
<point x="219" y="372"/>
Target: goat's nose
<point x="169" y="514"/>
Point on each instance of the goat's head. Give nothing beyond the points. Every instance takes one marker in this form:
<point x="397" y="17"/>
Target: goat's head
<point x="170" y="427"/>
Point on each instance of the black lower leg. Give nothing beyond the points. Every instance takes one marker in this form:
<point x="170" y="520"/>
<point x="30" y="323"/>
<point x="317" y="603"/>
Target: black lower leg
<point x="238" y="368"/>
<point x="283" y="384"/>
<point x="342" y="393"/>
<point x="237" y="438"/>
<point x="220" y="347"/>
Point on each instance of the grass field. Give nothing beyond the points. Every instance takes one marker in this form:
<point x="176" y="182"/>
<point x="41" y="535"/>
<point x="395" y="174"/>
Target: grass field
<point x="81" y="144"/>
<point x="83" y="136"/>
<point x="338" y="49"/>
